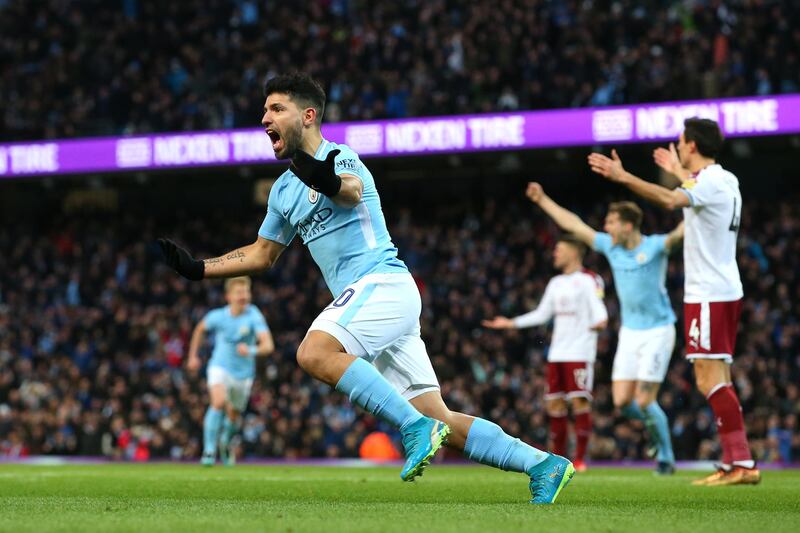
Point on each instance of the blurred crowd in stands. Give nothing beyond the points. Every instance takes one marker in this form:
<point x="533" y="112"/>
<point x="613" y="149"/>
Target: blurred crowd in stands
<point x="98" y="67"/>
<point x="94" y="332"/>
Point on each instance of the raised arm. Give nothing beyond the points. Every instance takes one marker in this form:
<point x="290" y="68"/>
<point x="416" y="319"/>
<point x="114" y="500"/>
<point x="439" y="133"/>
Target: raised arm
<point x="566" y="220"/>
<point x="674" y="238"/>
<point x="611" y="169"/>
<point x="250" y="259"/>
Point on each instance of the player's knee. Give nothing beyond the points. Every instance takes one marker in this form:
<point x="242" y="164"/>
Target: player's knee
<point x="308" y="357"/>
<point x="705" y="384"/>
<point x="217" y="403"/>
<point x="705" y="377"/>
<point x="644" y="398"/>
<point x="620" y="403"/>
<point x="643" y="402"/>
<point x="581" y="404"/>
<point x="556" y="407"/>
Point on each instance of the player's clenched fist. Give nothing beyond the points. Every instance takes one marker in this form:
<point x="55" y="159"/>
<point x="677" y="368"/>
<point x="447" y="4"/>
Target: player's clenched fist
<point x="534" y="192"/>
<point x="243" y="349"/>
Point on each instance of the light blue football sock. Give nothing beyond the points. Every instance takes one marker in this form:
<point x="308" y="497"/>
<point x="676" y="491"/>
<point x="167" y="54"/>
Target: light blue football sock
<point x="229" y="429"/>
<point x="633" y="411"/>
<point x="488" y="444"/>
<point x="658" y="425"/>
<point x="367" y="388"/>
<point x="211" y="425"/>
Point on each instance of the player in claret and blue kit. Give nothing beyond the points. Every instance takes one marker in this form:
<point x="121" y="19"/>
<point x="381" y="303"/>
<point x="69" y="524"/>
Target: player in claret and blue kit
<point x="712" y="298"/>
<point x="367" y="342"/>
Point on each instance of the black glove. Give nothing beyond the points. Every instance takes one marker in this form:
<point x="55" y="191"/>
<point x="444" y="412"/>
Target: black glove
<point x="319" y="175"/>
<point x="181" y="261"/>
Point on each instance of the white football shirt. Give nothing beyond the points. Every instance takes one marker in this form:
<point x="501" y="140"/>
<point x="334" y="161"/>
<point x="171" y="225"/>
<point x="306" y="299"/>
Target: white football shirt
<point x="711" y="228"/>
<point x="576" y="302"/>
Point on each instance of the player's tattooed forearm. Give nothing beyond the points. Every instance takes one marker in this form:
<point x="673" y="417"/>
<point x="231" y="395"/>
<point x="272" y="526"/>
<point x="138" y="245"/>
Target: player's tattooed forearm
<point x="236" y="254"/>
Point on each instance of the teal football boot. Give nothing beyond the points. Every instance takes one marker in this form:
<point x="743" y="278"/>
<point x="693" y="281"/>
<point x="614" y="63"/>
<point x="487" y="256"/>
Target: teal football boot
<point x="208" y="459"/>
<point x="227" y="453"/>
<point x="549" y="477"/>
<point x="421" y="441"/>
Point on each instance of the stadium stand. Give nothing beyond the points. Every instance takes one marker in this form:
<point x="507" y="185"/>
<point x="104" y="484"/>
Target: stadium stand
<point x="80" y="68"/>
<point x="93" y="331"/>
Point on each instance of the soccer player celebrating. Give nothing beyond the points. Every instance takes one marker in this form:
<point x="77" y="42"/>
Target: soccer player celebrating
<point x="647" y="336"/>
<point x="574" y="298"/>
<point x="240" y="335"/>
<point x="367" y="342"/>
<point x="712" y="206"/>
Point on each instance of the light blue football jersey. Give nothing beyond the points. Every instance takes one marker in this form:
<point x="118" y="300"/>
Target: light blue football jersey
<point x="346" y="243"/>
<point x="639" y="278"/>
<point x="228" y="331"/>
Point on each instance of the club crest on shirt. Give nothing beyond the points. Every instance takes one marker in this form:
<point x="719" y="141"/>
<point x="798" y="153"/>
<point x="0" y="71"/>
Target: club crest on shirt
<point x="313" y="196"/>
<point x="689" y="184"/>
<point x="244" y="330"/>
<point x="641" y="258"/>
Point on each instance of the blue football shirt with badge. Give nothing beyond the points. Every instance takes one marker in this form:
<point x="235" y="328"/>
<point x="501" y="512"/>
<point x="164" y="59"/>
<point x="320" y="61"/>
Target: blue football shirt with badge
<point x="346" y="243"/>
<point x="640" y="278"/>
<point x="228" y="331"/>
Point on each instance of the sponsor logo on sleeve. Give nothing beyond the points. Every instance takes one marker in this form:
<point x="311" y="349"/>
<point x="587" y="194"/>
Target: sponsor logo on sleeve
<point x="351" y="165"/>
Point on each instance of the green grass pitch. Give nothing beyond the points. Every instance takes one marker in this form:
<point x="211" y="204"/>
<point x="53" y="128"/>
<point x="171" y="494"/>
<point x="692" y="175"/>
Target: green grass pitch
<point x="448" y="498"/>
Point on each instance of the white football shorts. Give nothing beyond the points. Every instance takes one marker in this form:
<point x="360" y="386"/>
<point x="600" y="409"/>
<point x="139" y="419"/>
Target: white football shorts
<point x="377" y="318"/>
<point x="643" y="354"/>
<point x="238" y="390"/>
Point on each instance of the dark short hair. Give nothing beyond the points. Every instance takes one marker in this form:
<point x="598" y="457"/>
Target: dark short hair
<point x="575" y="242"/>
<point x="628" y="212"/>
<point x="706" y="135"/>
<point x="304" y="90"/>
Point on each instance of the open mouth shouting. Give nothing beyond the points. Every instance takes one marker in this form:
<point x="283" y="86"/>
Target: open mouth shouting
<point x="277" y="142"/>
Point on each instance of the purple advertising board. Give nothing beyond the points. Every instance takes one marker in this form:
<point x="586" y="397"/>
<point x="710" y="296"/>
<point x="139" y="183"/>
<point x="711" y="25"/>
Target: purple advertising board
<point x="738" y="117"/>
